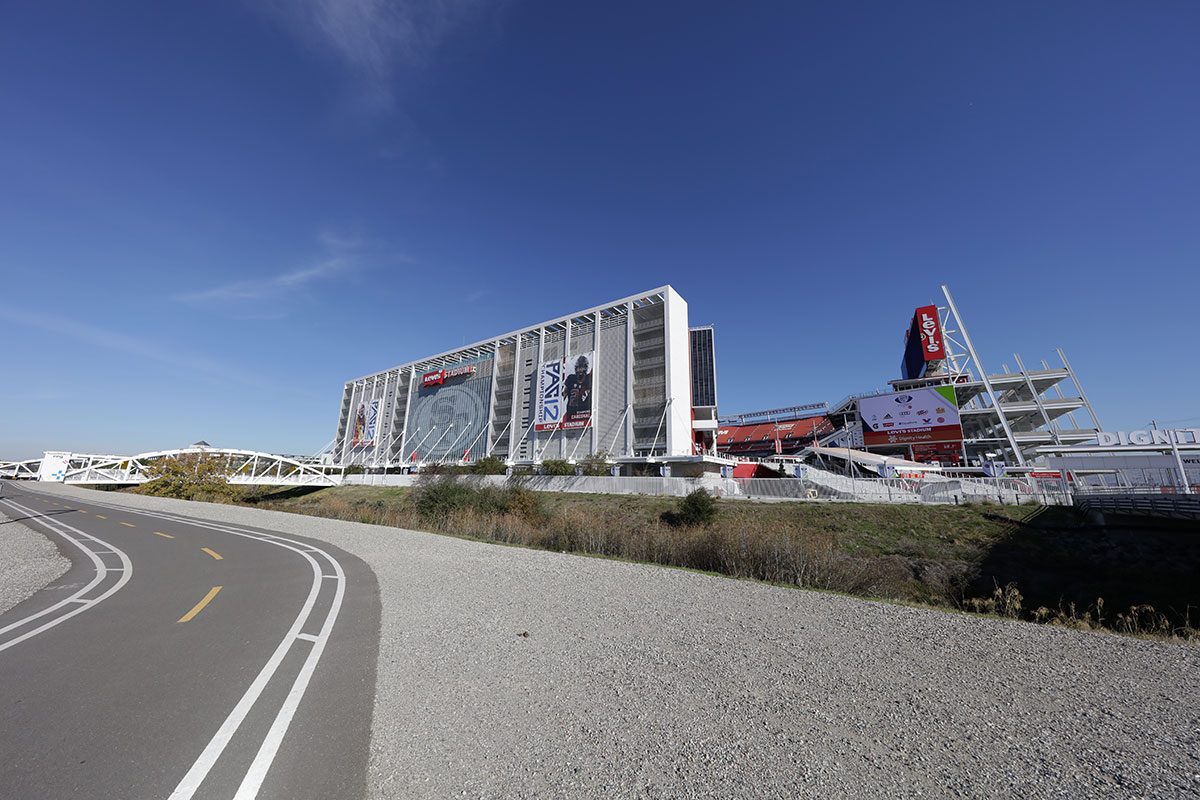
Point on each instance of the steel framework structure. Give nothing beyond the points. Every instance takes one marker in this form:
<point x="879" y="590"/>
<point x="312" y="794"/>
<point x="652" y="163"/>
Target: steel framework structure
<point x="1005" y="415"/>
<point x="20" y="470"/>
<point x="243" y="467"/>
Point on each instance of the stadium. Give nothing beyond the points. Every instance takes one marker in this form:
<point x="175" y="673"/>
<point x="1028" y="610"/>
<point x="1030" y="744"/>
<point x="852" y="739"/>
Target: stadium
<point x="632" y="381"/>
<point x="627" y="379"/>
<point x="631" y="387"/>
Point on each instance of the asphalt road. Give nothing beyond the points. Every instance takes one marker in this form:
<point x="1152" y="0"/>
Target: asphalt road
<point x="185" y="658"/>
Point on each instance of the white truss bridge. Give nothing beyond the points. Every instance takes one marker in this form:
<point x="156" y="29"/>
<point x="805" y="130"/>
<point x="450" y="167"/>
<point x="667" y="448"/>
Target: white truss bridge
<point x="242" y="467"/>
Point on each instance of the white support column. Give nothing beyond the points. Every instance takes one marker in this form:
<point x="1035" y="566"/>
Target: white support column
<point x="594" y="434"/>
<point x="578" y="442"/>
<point x="338" y="442"/>
<point x="1058" y="391"/>
<point x="412" y="373"/>
<point x="629" y="378"/>
<point x="423" y="438"/>
<point x="503" y="430"/>
<point x="356" y="399"/>
<point x="1183" y="478"/>
<point x="374" y="395"/>
<point x="562" y="440"/>
<point x="658" y="430"/>
<point x="453" y="448"/>
<point x="383" y="419"/>
<point x="1082" y="395"/>
<point x="433" y="446"/>
<point x="518" y="369"/>
<point x="1037" y="399"/>
<point x="475" y="441"/>
<point x="491" y="412"/>
<point x="537" y="365"/>
<point x="987" y="384"/>
<point x="550" y="439"/>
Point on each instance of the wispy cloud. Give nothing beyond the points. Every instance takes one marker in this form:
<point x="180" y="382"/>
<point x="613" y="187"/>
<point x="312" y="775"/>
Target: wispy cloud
<point x="374" y="38"/>
<point x="269" y="295"/>
<point x="137" y="347"/>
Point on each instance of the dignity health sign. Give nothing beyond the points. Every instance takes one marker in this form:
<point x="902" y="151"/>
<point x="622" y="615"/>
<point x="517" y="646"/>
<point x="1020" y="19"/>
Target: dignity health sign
<point x="564" y="393"/>
<point x="916" y="416"/>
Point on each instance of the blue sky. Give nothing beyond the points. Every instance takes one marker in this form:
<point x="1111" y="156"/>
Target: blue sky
<point x="212" y="215"/>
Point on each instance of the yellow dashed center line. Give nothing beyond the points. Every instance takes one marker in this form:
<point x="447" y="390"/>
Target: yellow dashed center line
<point x="200" y="606"/>
<point x="164" y="535"/>
<point x="101" y="516"/>
<point x="211" y="553"/>
<point x="129" y="525"/>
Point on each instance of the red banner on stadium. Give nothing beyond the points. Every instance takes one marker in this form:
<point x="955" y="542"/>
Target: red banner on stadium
<point x="937" y="433"/>
<point x="931" y="333"/>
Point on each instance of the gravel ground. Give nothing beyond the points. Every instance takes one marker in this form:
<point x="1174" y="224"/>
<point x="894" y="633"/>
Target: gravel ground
<point x="28" y="561"/>
<point x="640" y="681"/>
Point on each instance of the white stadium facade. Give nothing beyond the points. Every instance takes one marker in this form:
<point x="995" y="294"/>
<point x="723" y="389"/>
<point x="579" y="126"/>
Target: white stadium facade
<point x="615" y="380"/>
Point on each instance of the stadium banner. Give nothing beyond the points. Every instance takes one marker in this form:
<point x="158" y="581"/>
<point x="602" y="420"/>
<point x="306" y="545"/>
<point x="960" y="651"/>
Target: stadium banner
<point x="364" y="424"/>
<point x="564" y="393"/>
<point x="918" y="416"/>
<point x="548" y="410"/>
<point x="923" y="343"/>
<point x="577" y="388"/>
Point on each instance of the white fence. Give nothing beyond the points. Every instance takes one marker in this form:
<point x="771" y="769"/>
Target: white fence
<point x="819" y="485"/>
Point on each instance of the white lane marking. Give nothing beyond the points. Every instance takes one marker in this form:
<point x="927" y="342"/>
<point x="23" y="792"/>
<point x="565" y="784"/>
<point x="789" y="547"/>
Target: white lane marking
<point x="252" y="782"/>
<point x="308" y="637"/>
<point x="56" y="526"/>
<point x="274" y="738"/>
<point x="216" y="746"/>
<point x="99" y="567"/>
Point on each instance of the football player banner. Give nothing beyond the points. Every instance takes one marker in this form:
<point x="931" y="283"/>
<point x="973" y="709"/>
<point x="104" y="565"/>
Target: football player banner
<point x="364" y="424"/>
<point x="564" y="393"/>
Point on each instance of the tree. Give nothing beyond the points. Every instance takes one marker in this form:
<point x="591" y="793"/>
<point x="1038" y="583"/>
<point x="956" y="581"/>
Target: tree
<point x="597" y="464"/>
<point x="192" y="476"/>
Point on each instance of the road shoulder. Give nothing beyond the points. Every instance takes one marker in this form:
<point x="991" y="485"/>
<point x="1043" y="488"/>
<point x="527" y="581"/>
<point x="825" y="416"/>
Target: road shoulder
<point x="29" y="561"/>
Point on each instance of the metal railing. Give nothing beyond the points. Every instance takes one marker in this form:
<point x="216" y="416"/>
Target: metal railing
<point x="1139" y="503"/>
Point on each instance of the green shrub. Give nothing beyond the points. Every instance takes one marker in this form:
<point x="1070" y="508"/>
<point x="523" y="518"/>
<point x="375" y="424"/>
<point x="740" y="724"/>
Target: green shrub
<point x="523" y="503"/>
<point x="698" y="508"/>
<point x="555" y="466"/>
<point x="489" y="466"/>
<point x="439" y="498"/>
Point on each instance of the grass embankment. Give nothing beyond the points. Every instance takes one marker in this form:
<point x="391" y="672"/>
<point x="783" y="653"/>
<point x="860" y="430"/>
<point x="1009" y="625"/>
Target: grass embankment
<point x="1030" y="562"/>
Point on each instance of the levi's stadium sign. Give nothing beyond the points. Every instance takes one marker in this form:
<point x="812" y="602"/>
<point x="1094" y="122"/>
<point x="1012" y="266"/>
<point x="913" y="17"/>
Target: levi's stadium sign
<point x="923" y="343"/>
<point x="438" y="376"/>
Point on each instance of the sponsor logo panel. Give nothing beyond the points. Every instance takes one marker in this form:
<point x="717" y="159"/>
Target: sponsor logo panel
<point x="907" y="427"/>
